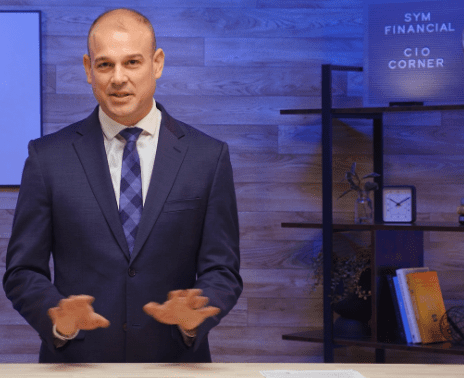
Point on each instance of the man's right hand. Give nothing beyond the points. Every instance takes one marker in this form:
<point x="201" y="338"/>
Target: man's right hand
<point x="75" y="313"/>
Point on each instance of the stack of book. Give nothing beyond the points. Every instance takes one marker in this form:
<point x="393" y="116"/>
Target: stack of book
<point x="419" y="305"/>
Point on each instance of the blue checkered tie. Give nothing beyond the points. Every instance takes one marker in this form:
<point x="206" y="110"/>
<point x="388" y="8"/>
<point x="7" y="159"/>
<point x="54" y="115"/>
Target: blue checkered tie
<point x="130" y="200"/>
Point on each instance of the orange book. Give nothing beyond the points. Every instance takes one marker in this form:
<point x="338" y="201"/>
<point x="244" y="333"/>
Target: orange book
<point x="428" y="305"/>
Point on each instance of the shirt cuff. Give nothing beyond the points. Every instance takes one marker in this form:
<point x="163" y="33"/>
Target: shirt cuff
<point x="62" y="337"/>
<point x="188" y="336"/>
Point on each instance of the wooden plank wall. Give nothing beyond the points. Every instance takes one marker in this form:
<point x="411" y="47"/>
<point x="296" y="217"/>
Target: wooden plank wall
<point x="231" y="65"/>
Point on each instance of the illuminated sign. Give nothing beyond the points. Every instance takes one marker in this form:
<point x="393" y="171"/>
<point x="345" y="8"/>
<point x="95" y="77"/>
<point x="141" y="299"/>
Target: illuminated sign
<point x="414" y="52"/>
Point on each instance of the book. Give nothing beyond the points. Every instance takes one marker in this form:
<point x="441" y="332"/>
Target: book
<point x="394" y="302"/>
<point x="427" y="301"/>
<point x="412" y="321"/>
<point x="404" y="318"/>
<point x="389" y="328"/>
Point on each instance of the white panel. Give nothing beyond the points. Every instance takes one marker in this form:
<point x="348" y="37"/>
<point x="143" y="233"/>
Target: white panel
<point x="20" y="88"/>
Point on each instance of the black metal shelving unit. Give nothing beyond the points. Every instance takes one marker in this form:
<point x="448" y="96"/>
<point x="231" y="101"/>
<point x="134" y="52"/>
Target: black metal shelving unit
<point x="410" y="232"/>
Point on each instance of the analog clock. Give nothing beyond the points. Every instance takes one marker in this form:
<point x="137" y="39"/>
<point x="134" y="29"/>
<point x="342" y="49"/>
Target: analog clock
<point x="399" y="204"/>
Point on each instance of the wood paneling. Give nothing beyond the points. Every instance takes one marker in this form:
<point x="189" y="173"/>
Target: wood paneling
<point x="284" y="312"/>
<point x="262" y="342"/>
<point x="312" y="4"/>
<point x="238" y="316"/>
<point x="3" y="247"/>
<point x="273" y="254"/>
<point x="18" y="339"/>
<point x="48" y="78"/>
<point x="349" y="138"/>
<point x="231" y="66"/>
<point x="277" y="283"/>
<point x="443" y="139"/>
<point x="8" y="315"/>
<point x="19" y="358"/>
<point x="254" y="139"/>
<point x="255" y="23"/>
<point x="447" y="169"/>
<point x="70" y="20"/>
<point x="6" y="222"/>
<point x="290" y="52"/>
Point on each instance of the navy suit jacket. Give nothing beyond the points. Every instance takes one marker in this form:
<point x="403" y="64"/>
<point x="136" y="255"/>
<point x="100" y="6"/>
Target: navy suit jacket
<point x="188" y="238"/>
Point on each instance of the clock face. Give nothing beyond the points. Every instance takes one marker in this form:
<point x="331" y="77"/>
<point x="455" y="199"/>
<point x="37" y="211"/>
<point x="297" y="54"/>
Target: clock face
<point x="399" y="204"/>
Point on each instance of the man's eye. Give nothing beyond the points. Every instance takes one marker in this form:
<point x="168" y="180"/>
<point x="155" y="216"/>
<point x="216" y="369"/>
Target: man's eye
<point x="102" y="65"/>
<point x="133" y="62"/>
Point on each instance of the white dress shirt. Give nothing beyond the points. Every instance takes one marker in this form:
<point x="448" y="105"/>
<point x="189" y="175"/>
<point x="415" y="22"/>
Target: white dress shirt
<point x="146" y="146"/>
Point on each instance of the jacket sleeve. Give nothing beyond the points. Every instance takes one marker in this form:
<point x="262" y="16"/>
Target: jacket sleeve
<point x="219" y="254"/>
<point x="27" y="280"/>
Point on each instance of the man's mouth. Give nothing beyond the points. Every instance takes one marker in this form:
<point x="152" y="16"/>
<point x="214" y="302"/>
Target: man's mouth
<point x="120" y="95"/>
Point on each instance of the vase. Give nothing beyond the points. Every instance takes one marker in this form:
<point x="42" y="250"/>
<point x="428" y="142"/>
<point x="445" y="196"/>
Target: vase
<point x="363" y="208"/>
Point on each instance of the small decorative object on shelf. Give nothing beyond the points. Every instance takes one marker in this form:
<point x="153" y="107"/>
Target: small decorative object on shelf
<point x="460" y="211"/>
<point x="399" y="204"/>
<point x="351" y="261"/>
<point x="452" y="325"/>
<point x="363" y="212"/>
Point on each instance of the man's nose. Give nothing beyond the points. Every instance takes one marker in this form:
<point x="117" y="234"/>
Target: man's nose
<point x="119" y="75"/>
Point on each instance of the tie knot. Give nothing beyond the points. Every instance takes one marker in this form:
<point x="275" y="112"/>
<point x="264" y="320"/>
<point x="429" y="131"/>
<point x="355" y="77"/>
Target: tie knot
<point x="130" y="134"/>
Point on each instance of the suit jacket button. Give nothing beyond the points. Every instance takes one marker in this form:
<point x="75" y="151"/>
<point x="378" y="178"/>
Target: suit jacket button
<point x="131" y="272"/>
<point x="124" y="327"/>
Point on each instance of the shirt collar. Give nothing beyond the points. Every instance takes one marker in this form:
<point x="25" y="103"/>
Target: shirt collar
<point x="149" y="124"/>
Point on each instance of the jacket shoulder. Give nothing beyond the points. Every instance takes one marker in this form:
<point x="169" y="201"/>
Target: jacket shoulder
<point x="65" y="135"/>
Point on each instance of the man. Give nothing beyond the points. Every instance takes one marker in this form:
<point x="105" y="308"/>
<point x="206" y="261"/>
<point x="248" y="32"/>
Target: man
<point x="81" y="199"/>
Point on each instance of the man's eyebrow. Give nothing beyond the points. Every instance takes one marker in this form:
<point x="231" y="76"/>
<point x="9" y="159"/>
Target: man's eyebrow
<point x="101" y="58"/>
<point x="138" y="56"/>
<point x="129" y="57"/>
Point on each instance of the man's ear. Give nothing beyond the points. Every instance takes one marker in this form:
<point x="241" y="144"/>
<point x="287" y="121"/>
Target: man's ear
<point x="158" y="63"/>
<point x="86" y="61"/>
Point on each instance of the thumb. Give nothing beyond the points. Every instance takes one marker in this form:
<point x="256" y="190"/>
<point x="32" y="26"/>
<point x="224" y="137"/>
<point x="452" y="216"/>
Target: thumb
<point x="101" y="321"/>
<point x="53" y="313"/>
<point x="209" y="311"/>
<point x="151" y="308"/>
<point x="92" y="321"/>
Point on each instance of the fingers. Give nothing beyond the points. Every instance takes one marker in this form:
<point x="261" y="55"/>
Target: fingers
<point x="198" y="302"/>
<point x="189" y="293"/>
<point x="192" y="297"/>
<point x="186" y="308"/>
<point x="53" y="313"/>
<point x="174" y="294"/>
<point x="93" y="321"/>
<point x="76" y="312"/>
<point x="74" y="302"/>
<point x="209" y="311"/>
<point x="151" y="308"/>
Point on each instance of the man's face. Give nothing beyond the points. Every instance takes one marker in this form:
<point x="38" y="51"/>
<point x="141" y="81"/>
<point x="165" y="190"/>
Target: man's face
<point x="123" y="69"/>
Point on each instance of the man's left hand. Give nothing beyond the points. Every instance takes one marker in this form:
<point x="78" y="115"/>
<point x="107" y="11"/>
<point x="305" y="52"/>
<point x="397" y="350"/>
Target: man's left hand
<point x="185" y="308"/>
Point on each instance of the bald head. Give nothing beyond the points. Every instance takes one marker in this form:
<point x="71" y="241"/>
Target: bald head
<point x="120" y="18"/>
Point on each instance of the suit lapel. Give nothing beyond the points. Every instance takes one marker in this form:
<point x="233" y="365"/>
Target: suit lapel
<point x="170" y="154"/>
<point x="91" y="152"/>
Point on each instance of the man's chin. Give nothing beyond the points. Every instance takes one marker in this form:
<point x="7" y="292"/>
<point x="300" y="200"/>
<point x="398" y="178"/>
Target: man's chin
<point x="120" y="114"/>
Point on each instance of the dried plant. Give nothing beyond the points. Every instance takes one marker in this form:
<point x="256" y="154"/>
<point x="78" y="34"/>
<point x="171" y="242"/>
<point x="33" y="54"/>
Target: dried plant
<point x="355" y="182"/>
<point x="347" y="269"/>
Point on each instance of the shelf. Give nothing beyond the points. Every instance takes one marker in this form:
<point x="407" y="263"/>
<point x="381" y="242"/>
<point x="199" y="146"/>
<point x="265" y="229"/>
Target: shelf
<point x="417" y="226"/>
<point x="402" y="248"/>
<point x="375" y="110"/>
<point x="317" y="336"/>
